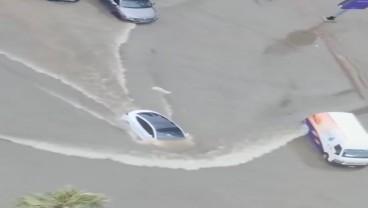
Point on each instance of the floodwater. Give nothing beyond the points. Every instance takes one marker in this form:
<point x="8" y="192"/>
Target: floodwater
<point x="69" y="71"/>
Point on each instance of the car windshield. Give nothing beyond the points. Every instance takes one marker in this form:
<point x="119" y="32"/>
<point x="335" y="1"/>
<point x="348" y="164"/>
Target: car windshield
<point x="355" y="153"/>
<point x="136" y="3"/>
<point x="171" y="133"/>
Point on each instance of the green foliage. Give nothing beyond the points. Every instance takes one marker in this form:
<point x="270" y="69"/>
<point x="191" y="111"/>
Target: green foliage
<point x="64" y="198"/>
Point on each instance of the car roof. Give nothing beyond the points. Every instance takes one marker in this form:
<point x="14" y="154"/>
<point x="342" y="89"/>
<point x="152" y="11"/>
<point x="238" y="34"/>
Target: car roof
<point x="347" y="127"/>
<point x="156" y="120"/>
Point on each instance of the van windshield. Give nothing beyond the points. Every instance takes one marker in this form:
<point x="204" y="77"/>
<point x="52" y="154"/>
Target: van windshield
<point x="355" y="153"/>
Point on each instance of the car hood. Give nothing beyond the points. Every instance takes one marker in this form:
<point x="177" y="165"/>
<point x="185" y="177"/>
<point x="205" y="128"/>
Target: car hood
<point x="140" y="13"/>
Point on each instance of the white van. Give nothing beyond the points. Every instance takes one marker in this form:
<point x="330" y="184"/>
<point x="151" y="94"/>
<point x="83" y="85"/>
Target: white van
<point x="340" y="137"/>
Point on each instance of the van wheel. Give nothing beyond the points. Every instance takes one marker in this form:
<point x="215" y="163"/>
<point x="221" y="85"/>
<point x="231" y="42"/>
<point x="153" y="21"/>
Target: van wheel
<point x="325" y="156"/>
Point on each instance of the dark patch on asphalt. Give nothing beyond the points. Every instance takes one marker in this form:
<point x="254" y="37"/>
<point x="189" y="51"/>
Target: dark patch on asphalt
<point x="285" y="102"/>
<point x="301" y="38"/>
<point x="153" y="51"/>
<point x="259" y="1"/>
<point x="291" y="42"/>
<point x="279" y="48"/>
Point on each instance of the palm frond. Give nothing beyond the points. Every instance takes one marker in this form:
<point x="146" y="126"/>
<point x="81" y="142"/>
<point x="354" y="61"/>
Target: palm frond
<point x="67" y="197"/>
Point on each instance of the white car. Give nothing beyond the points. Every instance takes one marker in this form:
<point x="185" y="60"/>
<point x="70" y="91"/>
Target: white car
<point x="151" y="126"/>
<point x="340" y="137"/>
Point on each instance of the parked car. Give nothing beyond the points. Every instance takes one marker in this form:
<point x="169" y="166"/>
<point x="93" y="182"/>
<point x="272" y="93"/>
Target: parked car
<point x="340" y="137"/>
<point x="151" y="126"/>
<point x="136" y="11"/>
<point x="67" y="1"/>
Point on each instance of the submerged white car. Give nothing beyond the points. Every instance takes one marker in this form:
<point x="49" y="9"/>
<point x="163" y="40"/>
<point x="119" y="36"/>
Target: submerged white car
<point x="151" y="126"/>
<point x="340" y="137"/>
<point x="136" y="11"/>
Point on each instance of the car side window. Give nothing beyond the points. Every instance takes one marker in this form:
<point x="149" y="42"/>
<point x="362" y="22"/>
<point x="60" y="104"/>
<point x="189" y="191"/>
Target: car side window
<point x="145" y="126"/>
<point x="338" y="149"/>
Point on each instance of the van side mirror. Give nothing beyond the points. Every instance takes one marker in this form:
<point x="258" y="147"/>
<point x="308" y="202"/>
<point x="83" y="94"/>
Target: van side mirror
<point x="337" y="149"/>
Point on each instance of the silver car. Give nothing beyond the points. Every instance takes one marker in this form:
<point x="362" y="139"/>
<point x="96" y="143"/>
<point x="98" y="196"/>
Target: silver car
<point x="136" y="11"/>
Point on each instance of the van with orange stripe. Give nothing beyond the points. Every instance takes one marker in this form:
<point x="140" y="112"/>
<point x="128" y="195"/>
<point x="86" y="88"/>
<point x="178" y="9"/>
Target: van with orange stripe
<point x="340" y="137"/>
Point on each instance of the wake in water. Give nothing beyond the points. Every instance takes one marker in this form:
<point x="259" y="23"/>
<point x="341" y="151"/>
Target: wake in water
<point x="222" y="157"/>
<point x="97" y="140"/>
<point x="82" y="54"/>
